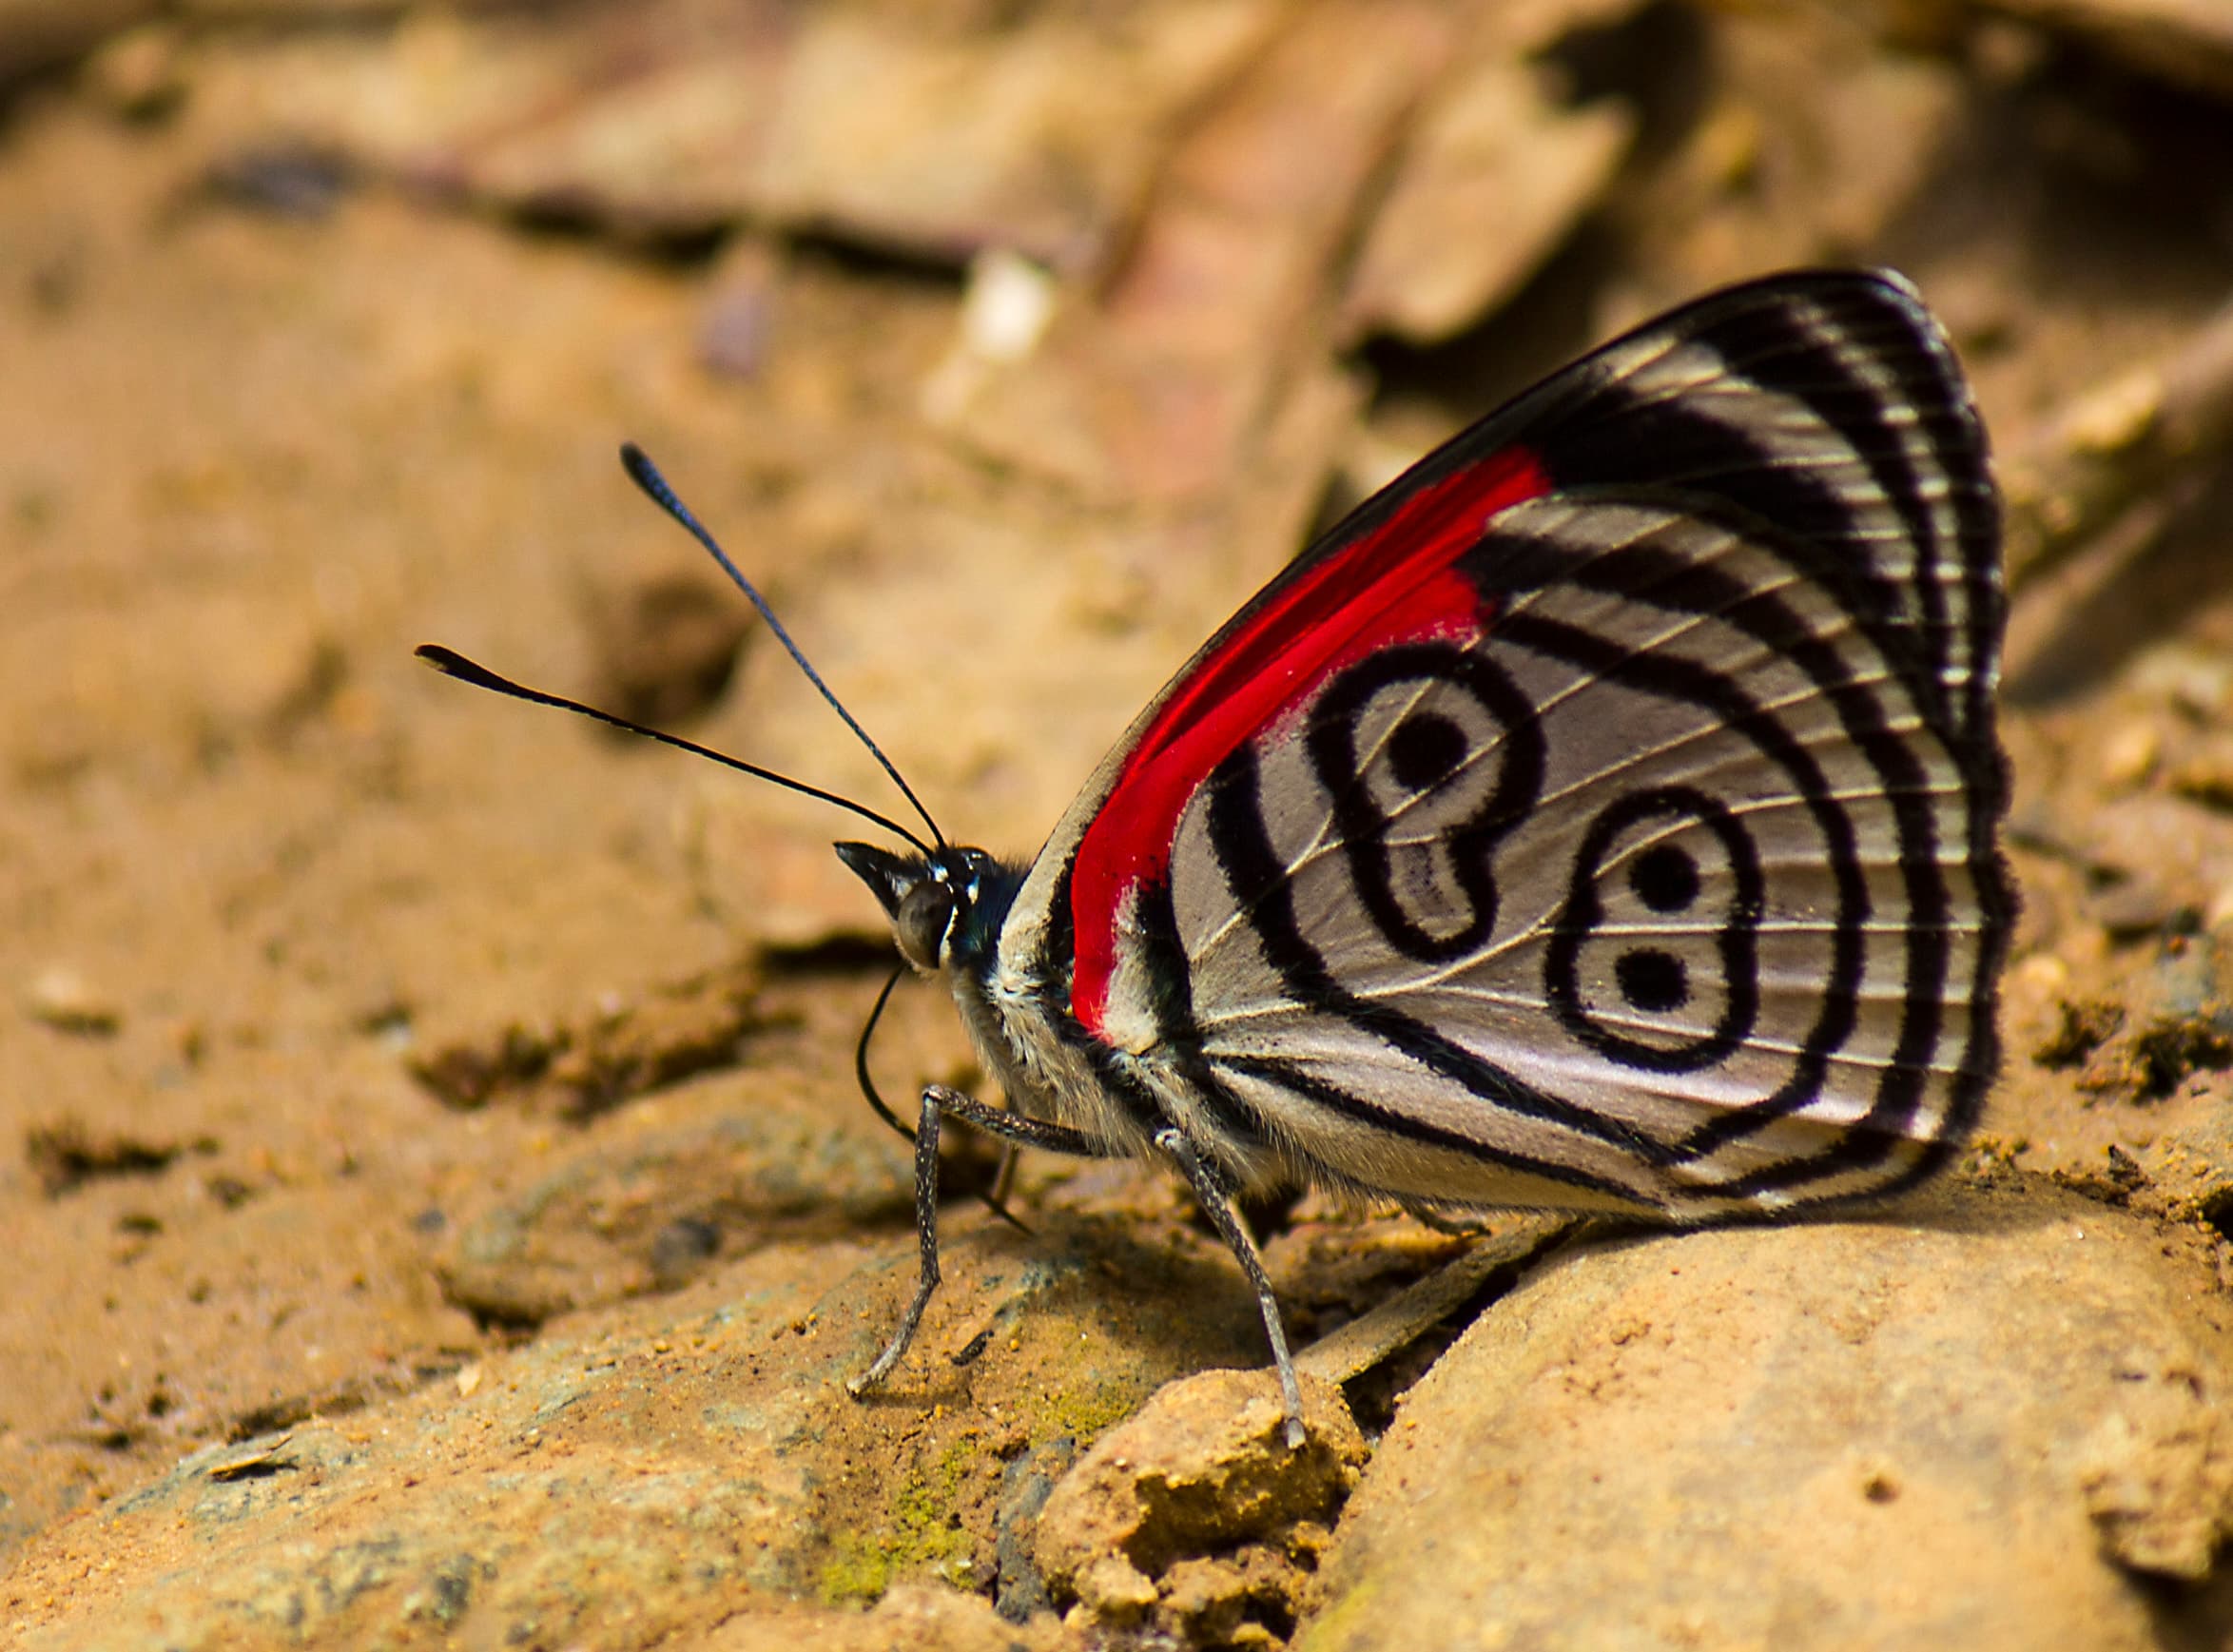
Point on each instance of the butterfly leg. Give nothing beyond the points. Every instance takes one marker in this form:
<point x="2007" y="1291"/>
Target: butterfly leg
<point x="1217" y="1199"/>
<point x="1017" y="1130"/>
<point x="1456" y="1227"/>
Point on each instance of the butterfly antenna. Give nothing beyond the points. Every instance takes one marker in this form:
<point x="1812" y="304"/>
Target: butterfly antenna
<point x="646" y="476"/>
<point x="994" y="1199"/>
<point x="453" y="664"/>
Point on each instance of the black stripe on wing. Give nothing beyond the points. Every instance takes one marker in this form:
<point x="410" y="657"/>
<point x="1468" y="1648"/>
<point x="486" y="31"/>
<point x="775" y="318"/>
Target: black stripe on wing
<point x="1513" y="563"/>
<point x="1252" y="871"/>
<point x="1522" y="568"/>
<point x="1316" y="1088"/>
<point x="1829" y="403"/>
<point x="1831" y="406"/>
<point x="1237" y="1134"/>
<point x="1677" y="586"/>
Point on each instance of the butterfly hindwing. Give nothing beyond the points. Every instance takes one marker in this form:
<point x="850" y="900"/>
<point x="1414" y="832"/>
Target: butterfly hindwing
<point x="1604" y="815"/>
<point x="1693" y="940"/>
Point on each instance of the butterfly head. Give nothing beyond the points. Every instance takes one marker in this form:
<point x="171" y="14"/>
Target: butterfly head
<point x="945" y="907"/>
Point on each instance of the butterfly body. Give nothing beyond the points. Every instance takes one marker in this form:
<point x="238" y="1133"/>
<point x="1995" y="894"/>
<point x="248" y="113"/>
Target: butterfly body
<point x="1555" y="837"/>
<point x="1602" y="817"/>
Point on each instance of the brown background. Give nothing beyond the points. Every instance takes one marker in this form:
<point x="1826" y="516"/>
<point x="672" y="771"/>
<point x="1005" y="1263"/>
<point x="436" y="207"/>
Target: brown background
<point x="365" y="1041"/>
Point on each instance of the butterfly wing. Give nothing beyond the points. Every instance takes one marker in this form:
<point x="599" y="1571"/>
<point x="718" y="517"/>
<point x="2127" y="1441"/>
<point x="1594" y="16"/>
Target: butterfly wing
<point x="1604" y="815"/>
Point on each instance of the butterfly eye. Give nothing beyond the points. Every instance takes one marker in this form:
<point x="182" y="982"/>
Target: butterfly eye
<point x="922" y="921"/>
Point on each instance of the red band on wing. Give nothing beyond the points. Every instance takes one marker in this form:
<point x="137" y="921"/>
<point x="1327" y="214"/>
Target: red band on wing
<point x="1392" y="584"/>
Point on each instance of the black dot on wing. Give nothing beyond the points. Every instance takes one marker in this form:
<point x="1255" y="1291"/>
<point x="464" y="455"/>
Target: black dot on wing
<point x="1425" y="749"/>
<point x="1664" y="878"/>
<point x="1652" y="980"/>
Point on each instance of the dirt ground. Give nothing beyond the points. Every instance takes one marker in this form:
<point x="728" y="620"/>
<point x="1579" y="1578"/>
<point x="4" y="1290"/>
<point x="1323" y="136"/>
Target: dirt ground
<point x="371" y="1050"/>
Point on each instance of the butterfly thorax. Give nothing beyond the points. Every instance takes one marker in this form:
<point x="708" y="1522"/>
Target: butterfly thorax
<point x="950" y="911"/>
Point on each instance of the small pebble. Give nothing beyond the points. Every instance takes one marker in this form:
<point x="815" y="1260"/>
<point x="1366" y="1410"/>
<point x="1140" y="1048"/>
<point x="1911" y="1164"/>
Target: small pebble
<point x="2194" y="681"/>
<point x="64" y="999"/>
<point x="2208" y="776"/>
<point x="139" y="75"/>
<point x="2130" y="752"/>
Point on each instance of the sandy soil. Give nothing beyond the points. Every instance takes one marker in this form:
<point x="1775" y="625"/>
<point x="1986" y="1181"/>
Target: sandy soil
<point x="367" y="1045"/>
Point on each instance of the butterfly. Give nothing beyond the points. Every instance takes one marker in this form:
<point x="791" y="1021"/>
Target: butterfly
<point x="1602" y="817"/>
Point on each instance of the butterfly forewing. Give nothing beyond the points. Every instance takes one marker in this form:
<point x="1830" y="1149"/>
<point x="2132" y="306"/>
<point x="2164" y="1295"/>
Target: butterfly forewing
<point x="1603" y="816"/>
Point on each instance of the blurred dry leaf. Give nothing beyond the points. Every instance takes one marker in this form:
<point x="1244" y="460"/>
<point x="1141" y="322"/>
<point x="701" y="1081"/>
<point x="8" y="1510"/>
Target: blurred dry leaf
<point x="2188" y="41"/>
<point x="1039" y="139"/>
<point x="1156" y="393"/>
<point x="37" y="35"/>
<point x="1496" y="175"/>
<point x="2117" y="442"/>
<point x="680" y="117"/>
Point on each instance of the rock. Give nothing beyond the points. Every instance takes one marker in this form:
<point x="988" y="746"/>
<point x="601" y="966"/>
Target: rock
<point x="592" y="1060"/>
<point x="2158" y="1471"/>
<point x="910" y="1619"/>
<point x="1197" y="1515"/>
<point x="2190" y="1171"/>
<point x="1968" y="1424"/>
<point x="666" y="642"/>
<point x="1020" y="1592"/>
<point x="644" y="1473"/>
<point x="646" y="1207"/>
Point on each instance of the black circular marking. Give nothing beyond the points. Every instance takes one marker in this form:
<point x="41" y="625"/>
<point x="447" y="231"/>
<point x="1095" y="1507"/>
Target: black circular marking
<point x="1652" y="980"/>
<point x="1470" y="844"/>
<point x="1654" y="986"/>
<point x="1664" y="878"/>
<point x="1425" y="749"/>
